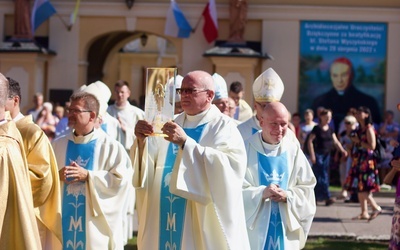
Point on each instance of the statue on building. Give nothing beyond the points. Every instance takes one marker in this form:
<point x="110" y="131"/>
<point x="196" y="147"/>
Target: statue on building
<point x="238" y="19"/>
<point x="22" y="20"/>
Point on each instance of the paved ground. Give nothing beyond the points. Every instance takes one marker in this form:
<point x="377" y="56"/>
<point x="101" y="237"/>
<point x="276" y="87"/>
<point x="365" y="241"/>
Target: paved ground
<point x="335" y="221"/>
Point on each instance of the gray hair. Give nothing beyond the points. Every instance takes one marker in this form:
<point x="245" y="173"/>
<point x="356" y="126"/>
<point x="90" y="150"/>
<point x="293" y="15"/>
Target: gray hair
<point x="90" y="101"/>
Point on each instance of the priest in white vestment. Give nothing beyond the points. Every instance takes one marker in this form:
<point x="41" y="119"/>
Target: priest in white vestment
<point x="189" y="184"/>
<point x="125" y="113"/>
<point x="278" y="190"/>
<point x="112" y="127"/>
<point x="95" y="173"/>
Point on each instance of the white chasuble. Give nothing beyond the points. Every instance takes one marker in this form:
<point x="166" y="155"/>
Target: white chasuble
<point x="93" y="211"/>
<point x="286" y="164"/>
<point x="208" y="173"/>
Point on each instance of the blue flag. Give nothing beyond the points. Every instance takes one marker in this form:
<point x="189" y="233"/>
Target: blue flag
<point x="41" y="11"/>
<point x="176" y="24"/>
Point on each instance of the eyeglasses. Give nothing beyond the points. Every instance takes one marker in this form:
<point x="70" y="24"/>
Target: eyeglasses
<point x="347" y="123"/>
<point x="189" y="91"/>
<point x="76" y="111"/>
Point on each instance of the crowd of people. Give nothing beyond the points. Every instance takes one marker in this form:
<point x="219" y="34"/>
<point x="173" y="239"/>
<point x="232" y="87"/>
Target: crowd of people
<point x="223" y="176"/>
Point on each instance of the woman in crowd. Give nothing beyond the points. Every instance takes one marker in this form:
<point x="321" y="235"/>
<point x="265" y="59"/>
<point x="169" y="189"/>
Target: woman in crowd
<point x="307" y="126"/>
<point x="363" y="175"/>
<point x="321" y="142"/>
<point x="350" y="123"/>
<point x="47" y="121"/>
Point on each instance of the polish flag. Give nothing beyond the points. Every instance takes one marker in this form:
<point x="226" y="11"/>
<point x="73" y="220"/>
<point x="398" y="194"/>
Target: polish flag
<point x="210" y="27"/>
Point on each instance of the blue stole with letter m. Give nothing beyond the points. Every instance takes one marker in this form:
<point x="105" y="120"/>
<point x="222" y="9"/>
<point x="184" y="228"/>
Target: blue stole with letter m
<point x="74" y="197"/>
<point x="173" y="207"/>
<point x="274" y="170"/>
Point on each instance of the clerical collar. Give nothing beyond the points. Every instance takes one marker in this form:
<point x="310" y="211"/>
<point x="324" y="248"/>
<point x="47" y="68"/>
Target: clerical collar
<point x="84" y="134"/>
<point x="267" y="146"/>
<point x="340" y="92"/>
<point x="193" y="120"/>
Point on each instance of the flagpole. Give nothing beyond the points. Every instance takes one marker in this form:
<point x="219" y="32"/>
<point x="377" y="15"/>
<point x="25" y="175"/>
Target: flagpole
<point x="74" y="15"/>
<point x="197" y="24"/>
<point x="68" y="27"/>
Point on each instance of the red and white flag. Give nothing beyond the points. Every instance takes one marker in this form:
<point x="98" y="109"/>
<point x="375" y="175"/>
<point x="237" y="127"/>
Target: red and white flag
<point x="210" y="27"/>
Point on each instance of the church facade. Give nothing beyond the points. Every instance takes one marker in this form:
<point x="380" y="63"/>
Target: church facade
<point x="109" y="41"/>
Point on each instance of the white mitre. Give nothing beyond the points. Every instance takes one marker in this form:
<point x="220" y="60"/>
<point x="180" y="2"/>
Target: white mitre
<point x="221" y="90"/>
<point x="268" y="87"/>
<point x="102" y="93"/>
<point x="80" y="89"/>
<point x="104" y="90"/>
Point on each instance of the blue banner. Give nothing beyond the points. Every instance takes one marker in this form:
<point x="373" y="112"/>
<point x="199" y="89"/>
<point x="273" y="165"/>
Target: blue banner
<point x="342" y="66"/>
<point x="343" y="37"/>
<point x="173" y="207"/>
<point x="74" y="197"/>
<point x="274" y="170"/>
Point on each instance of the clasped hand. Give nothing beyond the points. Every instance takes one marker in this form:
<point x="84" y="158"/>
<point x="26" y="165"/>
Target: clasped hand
<point x="275" y="193"/>
<point x="73" y="173"/>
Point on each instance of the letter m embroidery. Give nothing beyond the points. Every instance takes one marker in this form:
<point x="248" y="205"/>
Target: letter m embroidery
<point x="76" y="224"/>
<point x="171" y="223"/>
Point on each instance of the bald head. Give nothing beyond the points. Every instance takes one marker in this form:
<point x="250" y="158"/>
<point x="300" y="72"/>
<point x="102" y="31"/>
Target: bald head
<point x="3" y="91"/>
<point x="274" y="122"/>
<point x="201" y="77"/>
<point x="275" y="107"/>
<point x="197" y="92"/>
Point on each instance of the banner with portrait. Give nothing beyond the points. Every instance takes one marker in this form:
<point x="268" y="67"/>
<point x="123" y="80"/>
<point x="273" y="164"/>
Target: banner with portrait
<point x="342" y="66"/>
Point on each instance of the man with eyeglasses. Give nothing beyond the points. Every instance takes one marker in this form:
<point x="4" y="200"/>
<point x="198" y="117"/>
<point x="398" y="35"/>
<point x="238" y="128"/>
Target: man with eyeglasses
<point x="106" y="122"/>
<point x="95" y="173"/>
<point x="18" y="227"/>
<point x="43" y="170"/>
<point x="189" y="184"/>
